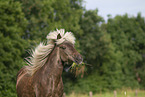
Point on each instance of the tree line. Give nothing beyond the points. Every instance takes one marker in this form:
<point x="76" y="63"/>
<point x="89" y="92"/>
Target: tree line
<point x="114" y="49"/>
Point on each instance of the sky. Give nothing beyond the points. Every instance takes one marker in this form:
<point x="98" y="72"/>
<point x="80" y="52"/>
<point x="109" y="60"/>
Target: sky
<point x="116" y="7"/>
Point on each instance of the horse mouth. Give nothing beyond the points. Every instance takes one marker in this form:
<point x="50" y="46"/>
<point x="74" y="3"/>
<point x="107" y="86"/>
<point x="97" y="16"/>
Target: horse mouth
<point x="68" y="64"/>
<point x="79" y="61"/>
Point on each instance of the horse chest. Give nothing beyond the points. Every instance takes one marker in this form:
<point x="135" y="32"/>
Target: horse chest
<point x="49" y="87"/>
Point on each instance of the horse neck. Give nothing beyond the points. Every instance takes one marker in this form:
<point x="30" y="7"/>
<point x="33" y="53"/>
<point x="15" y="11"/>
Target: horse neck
<point x="54" y="65"/>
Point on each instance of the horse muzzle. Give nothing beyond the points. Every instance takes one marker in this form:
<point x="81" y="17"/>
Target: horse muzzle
<point x="78" y="59"/>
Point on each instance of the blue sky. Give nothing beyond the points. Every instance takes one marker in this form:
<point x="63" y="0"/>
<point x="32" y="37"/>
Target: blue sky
<point x="116" y="7"/>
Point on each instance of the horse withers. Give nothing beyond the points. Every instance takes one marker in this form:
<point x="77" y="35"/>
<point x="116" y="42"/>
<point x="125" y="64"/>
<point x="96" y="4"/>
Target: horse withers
<point x="43" y="75"/>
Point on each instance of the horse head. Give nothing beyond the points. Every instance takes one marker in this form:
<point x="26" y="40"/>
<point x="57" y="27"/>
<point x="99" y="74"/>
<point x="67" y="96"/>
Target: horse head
<point x="69" y="53"/>
<point x="65" y="42"/>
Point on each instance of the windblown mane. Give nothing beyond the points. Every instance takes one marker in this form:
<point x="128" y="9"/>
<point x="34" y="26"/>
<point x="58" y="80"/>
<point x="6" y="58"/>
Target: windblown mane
<point x="40" y="54"/>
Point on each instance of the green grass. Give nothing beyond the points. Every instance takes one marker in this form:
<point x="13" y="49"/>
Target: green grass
<point x="120" y="93"/>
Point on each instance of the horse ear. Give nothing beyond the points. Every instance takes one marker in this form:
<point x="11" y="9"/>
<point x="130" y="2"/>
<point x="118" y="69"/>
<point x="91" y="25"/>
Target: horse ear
<point x="58" y="36"/>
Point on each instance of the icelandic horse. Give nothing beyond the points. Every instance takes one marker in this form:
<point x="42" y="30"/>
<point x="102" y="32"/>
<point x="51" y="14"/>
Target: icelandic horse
<point x="42" y="77"/>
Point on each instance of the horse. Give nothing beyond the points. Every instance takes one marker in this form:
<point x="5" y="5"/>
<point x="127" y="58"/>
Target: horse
<point x="42" y="77"/>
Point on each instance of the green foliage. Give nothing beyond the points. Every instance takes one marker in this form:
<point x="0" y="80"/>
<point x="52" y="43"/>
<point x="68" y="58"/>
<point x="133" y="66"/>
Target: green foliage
<point x="115" y="50"/>
<point x="12" y="45"/>
<point x="47" y="15"/>
<point x="128" y="37"/>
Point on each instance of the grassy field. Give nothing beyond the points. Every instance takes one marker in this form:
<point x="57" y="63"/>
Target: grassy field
<point x="120" y="93"/>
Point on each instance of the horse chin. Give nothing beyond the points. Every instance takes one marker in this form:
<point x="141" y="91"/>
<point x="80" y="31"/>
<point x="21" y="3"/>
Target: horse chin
<point x="67" y="65"/>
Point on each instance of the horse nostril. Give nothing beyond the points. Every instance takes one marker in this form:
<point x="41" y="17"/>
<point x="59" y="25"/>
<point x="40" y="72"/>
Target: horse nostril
<point x="78" y="59"/>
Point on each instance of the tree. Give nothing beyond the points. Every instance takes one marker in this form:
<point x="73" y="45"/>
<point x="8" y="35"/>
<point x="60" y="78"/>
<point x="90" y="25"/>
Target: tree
<point x="12" y="45"/>
<point x="127" y="35"/>
<point x="47" y="15"/>
<point x="98" y="50"/>
<point x="140" y="66"/>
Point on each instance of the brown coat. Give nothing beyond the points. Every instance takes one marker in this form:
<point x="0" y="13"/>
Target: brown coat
<point x="47" y="81"/>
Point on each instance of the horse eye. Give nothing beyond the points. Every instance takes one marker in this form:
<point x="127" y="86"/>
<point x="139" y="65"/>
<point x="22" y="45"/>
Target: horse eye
<point x="63" y="47"/>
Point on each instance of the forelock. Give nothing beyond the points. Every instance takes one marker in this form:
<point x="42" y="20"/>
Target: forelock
<point x="65" y="36"/>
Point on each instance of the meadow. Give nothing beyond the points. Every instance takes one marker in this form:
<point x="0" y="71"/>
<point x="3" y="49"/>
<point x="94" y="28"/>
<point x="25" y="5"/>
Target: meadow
<point x="120" y="93"/>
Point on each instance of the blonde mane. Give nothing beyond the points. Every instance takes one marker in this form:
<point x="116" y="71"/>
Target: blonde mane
<point x="40" y="54"/>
